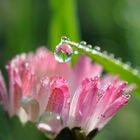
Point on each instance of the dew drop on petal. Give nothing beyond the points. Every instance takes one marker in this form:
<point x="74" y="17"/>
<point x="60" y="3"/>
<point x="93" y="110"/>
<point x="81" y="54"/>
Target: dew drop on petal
<point x="31" y="107"/>
<point x="50" y="123"/>
<point x="127" y="96"/>
<point x="63" y="53"/>
<point x="44" y="81"/>
<point x="27" y="65"/>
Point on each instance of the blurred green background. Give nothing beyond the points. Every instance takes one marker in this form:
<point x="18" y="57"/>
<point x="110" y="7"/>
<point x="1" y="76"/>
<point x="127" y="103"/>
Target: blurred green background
<point x="113" y="25"/>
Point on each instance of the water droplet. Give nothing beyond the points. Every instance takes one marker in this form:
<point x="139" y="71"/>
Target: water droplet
<point x="135" y="71"/>
<point x="83" y="43"/>
<point x="128" y="63"/>
<point x="119" y="59"/>
<point x="105" y="52"/>
<point x="31" y="107"/>
<point x="111" y="55"/>
<point x="44" y="81"/>
<point x="87" y="49"/>
<point x="93" y="51"/>
<point x="89" y="46"/>
<point x="102" y="115"/>
<point x="97" y="48"/>
<point x="127" y="96"/>
<point x="64" y="38"/>
<point x="27" y="65"/>
<point x="63" y="53"/>
<point x="50" y="123"/>
<point x="76" y="52"/>
<point x="126" y="66"/>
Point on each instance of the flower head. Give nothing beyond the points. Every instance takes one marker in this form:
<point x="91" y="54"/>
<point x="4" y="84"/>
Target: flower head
<point x="56" y="95"/>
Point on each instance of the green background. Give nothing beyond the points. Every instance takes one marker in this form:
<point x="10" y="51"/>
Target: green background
<point x="112" y="25"/>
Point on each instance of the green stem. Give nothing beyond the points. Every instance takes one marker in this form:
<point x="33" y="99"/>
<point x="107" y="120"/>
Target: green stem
<point x="109" y="63"/>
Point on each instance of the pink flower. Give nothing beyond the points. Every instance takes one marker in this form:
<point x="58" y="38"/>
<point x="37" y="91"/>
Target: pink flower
<point x="39" y="84"/>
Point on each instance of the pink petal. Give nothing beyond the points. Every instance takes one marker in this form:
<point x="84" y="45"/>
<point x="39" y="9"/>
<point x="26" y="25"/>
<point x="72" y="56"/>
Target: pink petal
<point x="116" y="105"/>
<point x="3" y="93"/>
<point x="85" y="68"/>
<point x="59" y="97"/>
<point x="112" y="109"/>
<point x="45" y="61"/>
<point x="111" y="101"/>
<point x="43" y="93"/>
<point x="15" y="90"/>
<point x="110" y="94"/>
<point x="15" y="99"/>
<point x="84" y="102"/>
<point x="29" y="83"/>
<point x="42" y="62"/>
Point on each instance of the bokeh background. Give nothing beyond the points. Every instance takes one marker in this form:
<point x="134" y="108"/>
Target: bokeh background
<point x="112" y="25"/>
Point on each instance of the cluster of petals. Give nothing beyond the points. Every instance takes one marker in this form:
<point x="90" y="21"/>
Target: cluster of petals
<point x="79" y="94"/>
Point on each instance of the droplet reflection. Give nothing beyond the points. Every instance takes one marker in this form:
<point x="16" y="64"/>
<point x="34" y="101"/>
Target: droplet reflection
<point x="63" y="53"/>
<point x="50" y="123"/>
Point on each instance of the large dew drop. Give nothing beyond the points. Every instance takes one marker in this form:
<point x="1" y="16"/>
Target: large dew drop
<point x="63" y="53"/>
<point x="50" y="123"/>
<point x="31" y="107"/>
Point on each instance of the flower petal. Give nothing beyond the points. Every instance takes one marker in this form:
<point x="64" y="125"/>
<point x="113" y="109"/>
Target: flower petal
<point x="84" y="102"/>
<point x="111" y="101"/>
<point x="85" y="68"/>
<point x="43" y="93"/>
<point x="45" y="61"/>
<point x="116" y="105"/>
<point x="59" y="97"/>
<point x="15" y="90"/>
<point x="3" y="93"/>
<point x="31" y="107"/>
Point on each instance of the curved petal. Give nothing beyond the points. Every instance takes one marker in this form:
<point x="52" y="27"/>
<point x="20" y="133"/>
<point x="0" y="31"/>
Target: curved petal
<point x="84" y="102"/>
<point x="45" y="61"/>
<point x="111" y="101"/>
<point x="85" y="68"/>
<point x="15" y="93"/>
<point x="59" y="98"/>
<point x="3" y="93"/>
